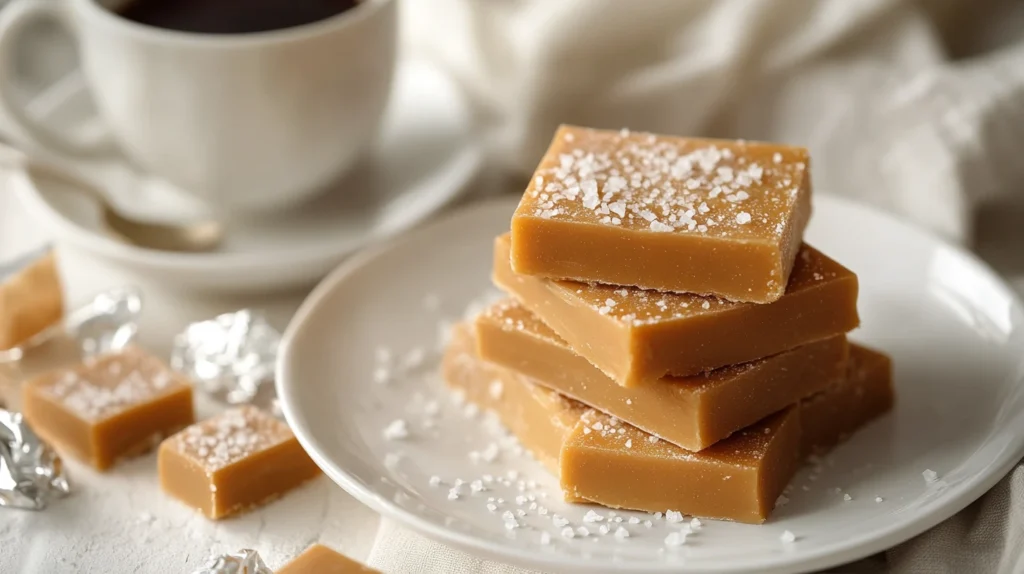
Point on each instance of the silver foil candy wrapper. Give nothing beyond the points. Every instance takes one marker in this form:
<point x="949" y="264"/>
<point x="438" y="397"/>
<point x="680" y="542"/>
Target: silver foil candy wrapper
<point x="107" y="323"/>
<point x="31" y="473"/>
<point x="230" y="356"/>
<point x="242" y="562"/>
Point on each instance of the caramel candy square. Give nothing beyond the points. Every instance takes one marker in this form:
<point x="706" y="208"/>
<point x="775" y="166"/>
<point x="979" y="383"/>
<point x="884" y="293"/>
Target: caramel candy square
<point x="31" y="298"/>
<point x="108" y="408"/>
<point x="636" y="336"/>
<point x="691" y="412"/>
<point x="714" y="217"/>
<point x="319" y="559"/>
<point x="739" y="478"/>
<point x="233" y="462"/>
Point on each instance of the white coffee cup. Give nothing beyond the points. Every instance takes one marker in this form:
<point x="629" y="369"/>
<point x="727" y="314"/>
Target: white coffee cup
<point x="245" y="122"/>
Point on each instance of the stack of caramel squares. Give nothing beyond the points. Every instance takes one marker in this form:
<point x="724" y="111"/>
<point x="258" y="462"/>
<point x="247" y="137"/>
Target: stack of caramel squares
<point x="669" y="341"/>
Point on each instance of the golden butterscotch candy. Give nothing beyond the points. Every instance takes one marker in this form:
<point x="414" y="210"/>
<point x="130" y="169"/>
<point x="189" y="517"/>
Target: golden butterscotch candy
<point x="31" y="298"/>
<point x="715" y="217"/>
<point x="636" y="336"/>
<point x="319" y="559"/>
<point x="739" y="478"/>
<point x="233" y="462"/>
<point x="108" y="408"/>
<point x="691" y="412"/>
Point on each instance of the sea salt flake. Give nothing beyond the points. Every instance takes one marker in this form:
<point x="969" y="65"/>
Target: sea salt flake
<point x="435" y="480"/>
<point x="879" y="499"/>
<point x="673" y="516"/>
<point x="634" y="520"/>
<point x="559" y="521"/>
<point x="743" y="218"/>
<point x="396" y="430"/>
<point x="675" y="539"/>
<point x="567" y="532"/>
<point x="621" y="533"/>
<point x="592" y="516"/>
<point x="660" y="227"/>
<point x="777" y="158"/>
<point x="847" y="497"/>
<point x="788" y="537"/>
<point x="930" y="476"/>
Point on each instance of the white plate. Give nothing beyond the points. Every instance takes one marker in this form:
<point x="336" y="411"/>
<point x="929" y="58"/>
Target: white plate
<point x="424" y="158"/>
<point x="953" y="328"/>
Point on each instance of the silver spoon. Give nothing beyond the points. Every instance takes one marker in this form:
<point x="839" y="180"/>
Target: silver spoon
<point x="191" y="237"/>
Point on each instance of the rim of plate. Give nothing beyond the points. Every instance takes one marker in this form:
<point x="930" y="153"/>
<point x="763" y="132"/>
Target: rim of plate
<point x="900" y="530"/>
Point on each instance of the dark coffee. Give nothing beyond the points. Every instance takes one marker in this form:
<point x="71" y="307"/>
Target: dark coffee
<point x="231" y="16"/>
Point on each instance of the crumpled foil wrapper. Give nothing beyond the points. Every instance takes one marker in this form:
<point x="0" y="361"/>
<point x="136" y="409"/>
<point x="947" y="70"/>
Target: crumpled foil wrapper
<point x="31" y="473"/>
<point x="107" y="323"/>
<point x="242" y="562"/>
<point x="230" y="357"/>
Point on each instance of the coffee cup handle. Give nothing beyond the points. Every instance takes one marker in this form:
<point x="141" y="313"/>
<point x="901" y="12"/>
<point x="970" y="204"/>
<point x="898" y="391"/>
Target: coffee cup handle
<point x="13" y="21"/>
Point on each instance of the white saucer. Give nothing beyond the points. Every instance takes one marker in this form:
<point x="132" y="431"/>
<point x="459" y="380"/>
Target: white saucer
<point x="953" y="328"/>
<point x="424" y="158"/>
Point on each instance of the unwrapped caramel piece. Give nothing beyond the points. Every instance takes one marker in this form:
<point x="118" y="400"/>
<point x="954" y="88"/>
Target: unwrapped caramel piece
<point x="111" y="407"/>
<point x="31" y="298"/>
<point x="738" y="478"/>
<point x="715" y="217"/>
<point x="233" y="462"/>
<point x="636" y="336"/>
<point x="519" y="406"/>
<point x="319" y="559"/>
<point x="693" y="412"/>
<point x="617" y="465"/>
